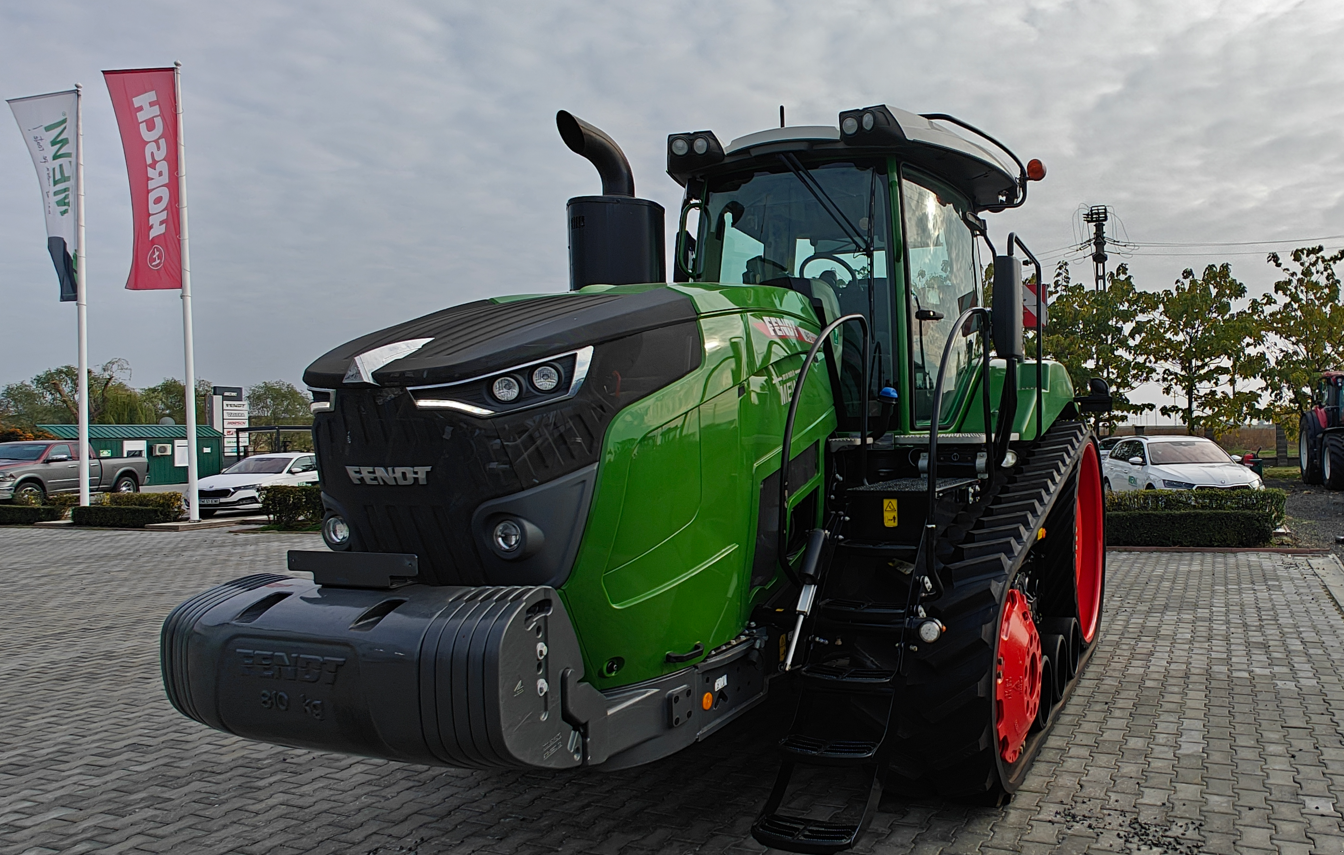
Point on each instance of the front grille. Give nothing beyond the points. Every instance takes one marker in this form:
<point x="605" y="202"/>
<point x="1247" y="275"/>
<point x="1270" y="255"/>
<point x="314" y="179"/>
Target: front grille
<point x="474" y="459"/>
<point x="215" y="494"/>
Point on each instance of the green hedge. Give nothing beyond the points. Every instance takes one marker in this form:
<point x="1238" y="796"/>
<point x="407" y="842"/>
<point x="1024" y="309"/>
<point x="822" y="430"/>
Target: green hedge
<point x="28" y="514"/>
<point x="292" y="507"/>
<point x="121" y="516"/>
<point x="1268" y="502"/>
<point x="166" y="502"/>
<point x="1189" y="528"/>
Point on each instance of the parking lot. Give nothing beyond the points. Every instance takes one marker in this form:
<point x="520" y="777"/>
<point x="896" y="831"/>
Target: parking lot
<point x="1211" y="720"/>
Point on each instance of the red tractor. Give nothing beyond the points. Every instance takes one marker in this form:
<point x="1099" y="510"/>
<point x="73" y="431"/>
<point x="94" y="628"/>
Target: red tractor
<point x="1320" y="439"/>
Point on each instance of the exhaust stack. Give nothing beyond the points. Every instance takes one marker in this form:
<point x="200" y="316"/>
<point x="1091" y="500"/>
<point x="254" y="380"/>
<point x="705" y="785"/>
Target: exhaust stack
<point x="615" y="238"/>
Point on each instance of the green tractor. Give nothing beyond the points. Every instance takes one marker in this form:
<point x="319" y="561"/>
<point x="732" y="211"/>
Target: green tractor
<point x="591" y="529"/>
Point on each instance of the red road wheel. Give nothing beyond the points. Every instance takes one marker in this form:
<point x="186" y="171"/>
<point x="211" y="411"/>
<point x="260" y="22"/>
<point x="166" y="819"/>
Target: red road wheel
<point x="1088" y="546"/>
<point x="1017" y="684"/>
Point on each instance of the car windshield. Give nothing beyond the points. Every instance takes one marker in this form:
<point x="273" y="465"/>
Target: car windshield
<point x="1186" y="451"/>
<point x="258" y="466"/>
<point x="22" y="450"/>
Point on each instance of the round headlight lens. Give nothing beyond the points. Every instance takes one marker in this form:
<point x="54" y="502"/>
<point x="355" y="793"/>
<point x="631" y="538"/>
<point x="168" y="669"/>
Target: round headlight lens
<point x="508" y="536"/>
<point x="336" y="532"/>
<point x="506" y="389"/>
<point x="679" y="147"/>
<point x="701" y="145"/>
<point x="868" y="120"/>
<point x="545" y="378"/>
<point x="850" y="125"/>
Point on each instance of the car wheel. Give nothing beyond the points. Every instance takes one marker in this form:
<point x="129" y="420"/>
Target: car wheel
<point x="29" y="493"/>
<point x="1332" y="462"/>
<point x="125" y="484"/>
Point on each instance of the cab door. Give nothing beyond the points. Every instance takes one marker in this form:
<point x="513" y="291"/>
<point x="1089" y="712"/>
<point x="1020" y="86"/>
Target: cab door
<point x="61" y="469"/>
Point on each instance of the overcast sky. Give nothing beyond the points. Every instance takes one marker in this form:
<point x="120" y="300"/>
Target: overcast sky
<point x="353" y="164"/>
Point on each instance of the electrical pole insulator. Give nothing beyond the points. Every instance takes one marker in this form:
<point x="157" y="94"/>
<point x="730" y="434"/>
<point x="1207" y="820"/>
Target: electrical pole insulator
<point x="1097" y="216"/>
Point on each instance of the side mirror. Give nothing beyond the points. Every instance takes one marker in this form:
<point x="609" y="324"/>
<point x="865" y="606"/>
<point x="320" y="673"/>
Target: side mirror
<point x="1136" y="461"/>
<point x="1007" y="308"/>
<point x="1098" y="398"/>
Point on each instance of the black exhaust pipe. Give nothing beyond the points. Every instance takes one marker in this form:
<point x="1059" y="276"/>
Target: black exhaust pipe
<point x="614" y="239"/>
<point x="601" y="150"/>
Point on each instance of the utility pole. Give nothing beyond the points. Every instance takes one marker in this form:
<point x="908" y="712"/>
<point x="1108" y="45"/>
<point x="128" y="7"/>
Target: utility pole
<point x="1097" y="216"/>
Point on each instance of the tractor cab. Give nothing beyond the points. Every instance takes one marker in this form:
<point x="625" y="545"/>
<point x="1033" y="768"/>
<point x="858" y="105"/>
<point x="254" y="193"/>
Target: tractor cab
<point x="878" y="217"/>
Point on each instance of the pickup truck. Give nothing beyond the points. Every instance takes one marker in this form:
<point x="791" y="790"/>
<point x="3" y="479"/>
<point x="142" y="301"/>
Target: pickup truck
<point x="31" y="471"/>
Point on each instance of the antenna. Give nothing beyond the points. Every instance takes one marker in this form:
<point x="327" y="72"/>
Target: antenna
<point x="781" y="115"/>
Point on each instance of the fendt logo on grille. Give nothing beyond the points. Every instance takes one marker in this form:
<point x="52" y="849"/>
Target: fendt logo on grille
<point x="402" y="476"/>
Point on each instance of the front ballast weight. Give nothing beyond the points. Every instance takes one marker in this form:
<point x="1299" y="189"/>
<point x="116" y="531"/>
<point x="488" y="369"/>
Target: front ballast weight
<point x="465" y="677"/>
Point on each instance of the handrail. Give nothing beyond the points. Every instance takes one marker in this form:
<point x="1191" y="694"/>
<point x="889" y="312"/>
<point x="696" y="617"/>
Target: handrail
<point x="936" y="416"/>
<point x="1022" y="170"/>
<point x="1014" y="240"/>
<point x="785" y="460"/>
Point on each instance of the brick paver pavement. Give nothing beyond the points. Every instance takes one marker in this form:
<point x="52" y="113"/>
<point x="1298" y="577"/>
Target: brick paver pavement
<point x="1211" y="720"/>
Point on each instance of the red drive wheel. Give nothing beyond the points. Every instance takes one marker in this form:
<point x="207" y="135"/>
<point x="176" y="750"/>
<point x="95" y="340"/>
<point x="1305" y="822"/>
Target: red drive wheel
<point x="1017" y="684"/>
<point x="1088" y="543"/>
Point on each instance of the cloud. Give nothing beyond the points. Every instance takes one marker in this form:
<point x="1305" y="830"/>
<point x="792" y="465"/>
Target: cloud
<point x="352" y="165"/>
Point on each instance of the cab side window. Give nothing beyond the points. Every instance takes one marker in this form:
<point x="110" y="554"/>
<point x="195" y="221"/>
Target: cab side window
<point x="59" y="451"/>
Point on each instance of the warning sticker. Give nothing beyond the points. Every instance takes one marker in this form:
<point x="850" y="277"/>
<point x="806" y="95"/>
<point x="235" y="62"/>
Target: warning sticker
<point x="889" y="513"/>
<point x="783" y="328"/>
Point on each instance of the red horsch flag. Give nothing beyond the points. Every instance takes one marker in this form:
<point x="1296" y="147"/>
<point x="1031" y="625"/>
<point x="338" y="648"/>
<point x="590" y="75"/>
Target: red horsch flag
<point x="146" y="109"/>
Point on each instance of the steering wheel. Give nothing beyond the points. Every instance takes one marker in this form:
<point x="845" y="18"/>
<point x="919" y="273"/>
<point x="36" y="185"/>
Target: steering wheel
<point x="853" y="276"/>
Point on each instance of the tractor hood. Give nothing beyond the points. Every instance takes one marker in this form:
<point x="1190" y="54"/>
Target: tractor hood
<point x="477" y="338"/>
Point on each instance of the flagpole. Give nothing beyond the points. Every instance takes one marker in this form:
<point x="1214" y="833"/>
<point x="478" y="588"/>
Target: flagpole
<point x="81" y="306"/>
<point x="193" y="497"/>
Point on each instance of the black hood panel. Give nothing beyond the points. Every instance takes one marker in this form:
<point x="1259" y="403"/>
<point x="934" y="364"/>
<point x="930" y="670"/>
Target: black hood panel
<point x="481" y="337"/>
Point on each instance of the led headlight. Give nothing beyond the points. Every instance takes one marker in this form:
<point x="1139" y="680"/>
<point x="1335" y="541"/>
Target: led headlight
<point x="1178" y="485"/>
<point x="849" y="125"/>
<point x="680" y="147"/>
<point x="545" y="378"/>
<point x="506" y="389"/>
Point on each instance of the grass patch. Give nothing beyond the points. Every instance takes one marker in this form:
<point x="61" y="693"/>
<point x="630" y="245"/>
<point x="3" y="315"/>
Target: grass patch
<point x="1283" y="473"/>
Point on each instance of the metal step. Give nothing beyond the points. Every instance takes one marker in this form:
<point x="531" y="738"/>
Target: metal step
<point x="796" y="834"/>
<point x="859" y="614"/>
<point x="827" y="752"/>
<point x="845" y="678"/>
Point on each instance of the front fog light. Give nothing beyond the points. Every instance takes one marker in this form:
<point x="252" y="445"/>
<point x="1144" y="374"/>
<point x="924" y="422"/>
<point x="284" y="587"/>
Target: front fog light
<point x="336" y="532"/>
<point x="508" y="537"/>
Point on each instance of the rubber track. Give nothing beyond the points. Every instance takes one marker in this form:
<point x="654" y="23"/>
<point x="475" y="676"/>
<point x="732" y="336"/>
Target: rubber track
<point x="943" y="741"/>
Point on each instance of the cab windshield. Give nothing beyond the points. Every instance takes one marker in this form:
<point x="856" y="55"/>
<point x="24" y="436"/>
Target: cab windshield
<point x="820" y="228"/>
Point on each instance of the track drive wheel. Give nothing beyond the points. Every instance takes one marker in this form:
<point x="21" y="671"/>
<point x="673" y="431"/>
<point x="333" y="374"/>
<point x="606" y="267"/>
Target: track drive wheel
<point x="1089" y="544"/>
<point x="1332" y="462"/>
<point x="1017" y="678"/>
<point x="1309" y="449"/>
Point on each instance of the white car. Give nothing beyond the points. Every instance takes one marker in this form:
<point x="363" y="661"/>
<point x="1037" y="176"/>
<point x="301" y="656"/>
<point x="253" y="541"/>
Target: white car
<point x="1173" y="463"/>
<point x="236" y="488"/>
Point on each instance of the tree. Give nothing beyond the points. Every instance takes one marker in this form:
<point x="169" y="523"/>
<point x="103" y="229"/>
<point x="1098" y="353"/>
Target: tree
<point x="1093" y="334"/>
<point x="1203" y="344"/>
<point x="52" y="397"/>
<point x="276" y="402"/>
<point x="167" y="399"/>
<point x="1306" y="321"/>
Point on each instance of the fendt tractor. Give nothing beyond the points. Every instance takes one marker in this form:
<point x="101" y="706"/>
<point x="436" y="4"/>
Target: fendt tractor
<point x="562" y="530"/>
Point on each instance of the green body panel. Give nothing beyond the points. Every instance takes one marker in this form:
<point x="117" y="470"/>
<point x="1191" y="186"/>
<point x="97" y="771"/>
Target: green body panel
<point x="1057" y="393"/>
<point x="666" y="557"/>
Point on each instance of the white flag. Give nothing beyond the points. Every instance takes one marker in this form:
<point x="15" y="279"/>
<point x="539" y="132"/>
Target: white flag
<point x="48" y="125"/>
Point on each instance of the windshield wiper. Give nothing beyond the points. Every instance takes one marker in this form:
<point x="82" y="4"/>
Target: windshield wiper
<point x="827" y="204"/>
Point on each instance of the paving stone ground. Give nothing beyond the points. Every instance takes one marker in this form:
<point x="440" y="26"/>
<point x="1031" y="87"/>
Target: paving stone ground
<point x="1211" y="720"/>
